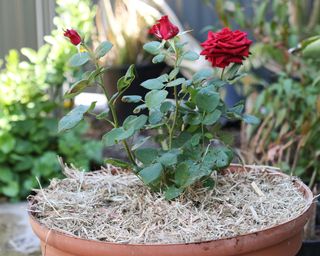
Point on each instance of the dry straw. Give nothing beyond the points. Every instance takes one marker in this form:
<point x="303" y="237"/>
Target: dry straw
<point x="108" y="205"/>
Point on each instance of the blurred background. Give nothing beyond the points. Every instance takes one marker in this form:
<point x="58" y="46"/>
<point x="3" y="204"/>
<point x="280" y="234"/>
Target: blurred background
<point x="282" y="85"/>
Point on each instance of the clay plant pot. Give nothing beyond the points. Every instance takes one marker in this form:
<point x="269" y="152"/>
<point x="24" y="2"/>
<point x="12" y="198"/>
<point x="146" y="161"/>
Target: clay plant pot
<point x="282" y="240"/>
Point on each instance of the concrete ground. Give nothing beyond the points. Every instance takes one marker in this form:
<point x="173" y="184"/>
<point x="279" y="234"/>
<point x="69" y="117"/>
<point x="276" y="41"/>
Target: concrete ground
<point x="16" y="237"/>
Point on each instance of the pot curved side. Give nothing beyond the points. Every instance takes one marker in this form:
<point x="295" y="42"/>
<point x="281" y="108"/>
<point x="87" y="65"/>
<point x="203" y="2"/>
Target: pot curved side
<point x="282" y="240"/>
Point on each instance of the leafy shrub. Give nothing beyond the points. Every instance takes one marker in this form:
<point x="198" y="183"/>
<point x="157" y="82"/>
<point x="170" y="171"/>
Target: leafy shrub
<point x="29" y="104"/>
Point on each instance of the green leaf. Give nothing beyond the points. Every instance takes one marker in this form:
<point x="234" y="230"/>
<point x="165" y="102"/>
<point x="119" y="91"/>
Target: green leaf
<point x="166" y="106"/>
<point x="77" y="88"/>
<point x="146" y="155"/>
<point x="158" y="58"/>
<point x="261" y="11"/>
<point x="207" y="100"/>
<point x="182" y="174"/>
<point x="125" y="81"/>
<point x="236" y="111"/>
<point x="118" y="163"/>
<point x="216" y="83"/>
<point x="151" y="173"/>
<point x="155" y="116"/>
<point x="232" y="72"/>
<point x="103" y="115"/>
<point x="195" y="139"/>
<point x="208" y="182"/>
<point x="312" y="50"/>
<point x="172" y="192"/>
<point x="97" y="72"/>
<point x="154" y="98"/>
<point x="152" y="47"/>
<point x="7" y="143"/>
<point x="116" y="135"/>
<point x="102" y="49"/>
<point x="30" y="54"/>
<point x="131" y="98"/>
<point x="190" y="55"/>
<point x="193" y="119"/>
<point x="174" y="73"/>
<point x="153" y="84"/>
<point x="140" y="143"/>
<point x="169" y="158"/>
<point x="11" y="189"/>
<point x="45" y="165"/>
<point x="163" y="78"/>
<point x="202" y="75"/>
<point x="138" y="109"/>
<point x="212" y="117"/>
<point x="6" y="174"/>
<point x="308" y="41"/>
<point x="135" y="122"/>
<point x="24" y="164"/>
<point x="79" y="59"/>
<point x="249" y="119"/>
<point x="226" y="137"/>
<point x="218" y="157"/>
<point x="176" y="82"/>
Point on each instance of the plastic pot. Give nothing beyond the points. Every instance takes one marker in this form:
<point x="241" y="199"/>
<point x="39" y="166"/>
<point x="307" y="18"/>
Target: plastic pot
<point x="281" y="240"/>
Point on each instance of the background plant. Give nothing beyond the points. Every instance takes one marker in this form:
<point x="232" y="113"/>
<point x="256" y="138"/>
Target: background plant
<point x="29" y="104"/>
<point x="185" y="126"/>
<point x="291" y="112"/>
<point x="286" y="95"/>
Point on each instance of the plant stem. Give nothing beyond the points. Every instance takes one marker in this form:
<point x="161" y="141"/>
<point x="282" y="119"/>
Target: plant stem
<point x="202" y="130"/>
<point x="174" y="117"/>
<point x="115" y="120"/>
<point x="110" y="105"/>
<point x="222" y="73"/>
<point x="175" y="93"/>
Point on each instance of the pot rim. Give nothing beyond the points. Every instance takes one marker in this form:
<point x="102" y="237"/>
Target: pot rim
<point x="301" y="186"/>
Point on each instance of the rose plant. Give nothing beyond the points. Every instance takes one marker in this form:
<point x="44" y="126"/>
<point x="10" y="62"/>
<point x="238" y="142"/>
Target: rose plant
<point x="121" y="212"/>
<point x="185" y="125"/>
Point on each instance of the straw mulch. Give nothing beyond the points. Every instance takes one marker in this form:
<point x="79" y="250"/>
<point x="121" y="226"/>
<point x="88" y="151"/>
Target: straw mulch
<point x="113" y="206"/>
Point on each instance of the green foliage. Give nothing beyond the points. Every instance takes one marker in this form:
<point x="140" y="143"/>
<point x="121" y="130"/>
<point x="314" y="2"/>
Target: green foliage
<point x="74" y="117"/>
<point x="153" y="47"/>
<point x="290" y="136"/>
<point x="103" y="49"/>
<point x="287" y="43"/>
<point x="29" y="100"/>
<point x="190" y="150"/>
<point x="79" y="59"/>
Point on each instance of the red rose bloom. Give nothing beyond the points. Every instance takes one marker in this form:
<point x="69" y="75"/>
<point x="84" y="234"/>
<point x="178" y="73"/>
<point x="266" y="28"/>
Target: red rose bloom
<point x="164" y="29"/>
<point x="73" y="36"/>
<point x="225" y="47"/>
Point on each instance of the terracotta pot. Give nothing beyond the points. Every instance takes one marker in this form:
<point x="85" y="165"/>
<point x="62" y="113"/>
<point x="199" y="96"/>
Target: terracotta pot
<point x="281" y="240"/>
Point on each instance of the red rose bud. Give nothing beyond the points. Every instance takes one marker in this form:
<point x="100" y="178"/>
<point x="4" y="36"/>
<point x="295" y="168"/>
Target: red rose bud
<point x="164" y="29"/>
<point x="73" y="36"/>
<point x="225" y="47"/>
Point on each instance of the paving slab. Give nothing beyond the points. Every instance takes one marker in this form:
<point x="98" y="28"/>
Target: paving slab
<point x="16" y="236"/>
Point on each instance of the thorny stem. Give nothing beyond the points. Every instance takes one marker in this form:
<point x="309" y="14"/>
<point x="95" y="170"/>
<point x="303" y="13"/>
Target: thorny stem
<point x="175" y="93"/>
<point x="110" y="104"/>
